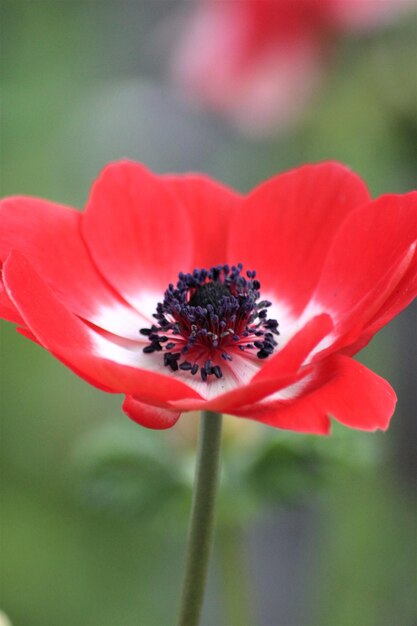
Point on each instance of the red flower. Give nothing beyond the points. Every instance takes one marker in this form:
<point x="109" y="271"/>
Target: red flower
<point x="333" y="265"/>
<point x="259" y="60"/>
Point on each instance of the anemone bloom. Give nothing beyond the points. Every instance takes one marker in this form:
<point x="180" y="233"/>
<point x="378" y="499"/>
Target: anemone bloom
<point x="258" y="61"/>
<point x="184" y="295"/>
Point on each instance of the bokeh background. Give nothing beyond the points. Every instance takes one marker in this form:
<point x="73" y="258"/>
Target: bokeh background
<point x="311" y="531"/>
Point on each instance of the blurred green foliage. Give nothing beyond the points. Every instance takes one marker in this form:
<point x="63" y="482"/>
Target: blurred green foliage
<point x="138" y="477"/>
<point x="150" y="478"/>
<point x="94" y="508"/>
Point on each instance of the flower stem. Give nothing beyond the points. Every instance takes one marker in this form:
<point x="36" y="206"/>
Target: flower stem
<point x="202" y="519"/>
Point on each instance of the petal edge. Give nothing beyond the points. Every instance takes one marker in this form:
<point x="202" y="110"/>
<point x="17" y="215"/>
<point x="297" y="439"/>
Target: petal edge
<point x="149" y="416"/>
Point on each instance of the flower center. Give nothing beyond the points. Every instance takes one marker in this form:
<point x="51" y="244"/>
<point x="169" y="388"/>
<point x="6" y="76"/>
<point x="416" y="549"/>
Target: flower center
<point x="207" y="317"/>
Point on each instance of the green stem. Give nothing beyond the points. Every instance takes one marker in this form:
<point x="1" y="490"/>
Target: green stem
<point x="202" y="518"/>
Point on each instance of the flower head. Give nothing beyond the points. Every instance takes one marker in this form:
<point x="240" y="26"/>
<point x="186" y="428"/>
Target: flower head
<point x="184" y="295"/>
<point x="259" y="60"/>
<point x="208" y="317"/>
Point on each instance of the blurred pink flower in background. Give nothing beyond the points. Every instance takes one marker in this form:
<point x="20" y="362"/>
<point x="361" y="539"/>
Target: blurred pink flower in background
<point x="258" y="61"/>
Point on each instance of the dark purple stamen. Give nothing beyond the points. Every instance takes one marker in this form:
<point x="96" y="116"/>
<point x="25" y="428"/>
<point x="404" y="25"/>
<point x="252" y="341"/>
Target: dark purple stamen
<point x="207" y="315"/>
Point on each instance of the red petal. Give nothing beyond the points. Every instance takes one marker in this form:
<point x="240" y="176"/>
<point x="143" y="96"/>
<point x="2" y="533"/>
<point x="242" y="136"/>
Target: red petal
<point x="28" y="334"/>
<point x="7" y="309"/>
<point x="301" y="417"/>
<point x="357" y="397"/>
<point x="211" y="210"/>
<point x="286" y="224"/>
<point x="137" y="231"/>
<point x="76" y="344"/>
<point x="344" y="389"/>
<point x="149" y="416"/>
<point x="402" y="295"/>
<point x="366" y="261"/>
<point x="49" y="234"/>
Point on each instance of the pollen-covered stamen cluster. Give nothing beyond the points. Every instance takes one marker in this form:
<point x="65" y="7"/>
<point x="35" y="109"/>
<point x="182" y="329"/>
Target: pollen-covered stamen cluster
<point x="207" y="316"/>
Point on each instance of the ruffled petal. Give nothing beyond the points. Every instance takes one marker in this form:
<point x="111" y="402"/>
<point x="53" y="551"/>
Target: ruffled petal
<point x="341" y="388"/>
<point x="211" y="210"/>
<point x="49" y="234"/>
<point x="369" y="258"/>
<point x="138" y="233"/>
<point x="286" y="225"/>
<point x="102" y="363"/>
<point x="404" y="292"/>
<point x="149" y="416"/>
<point x="8" y="311"/>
